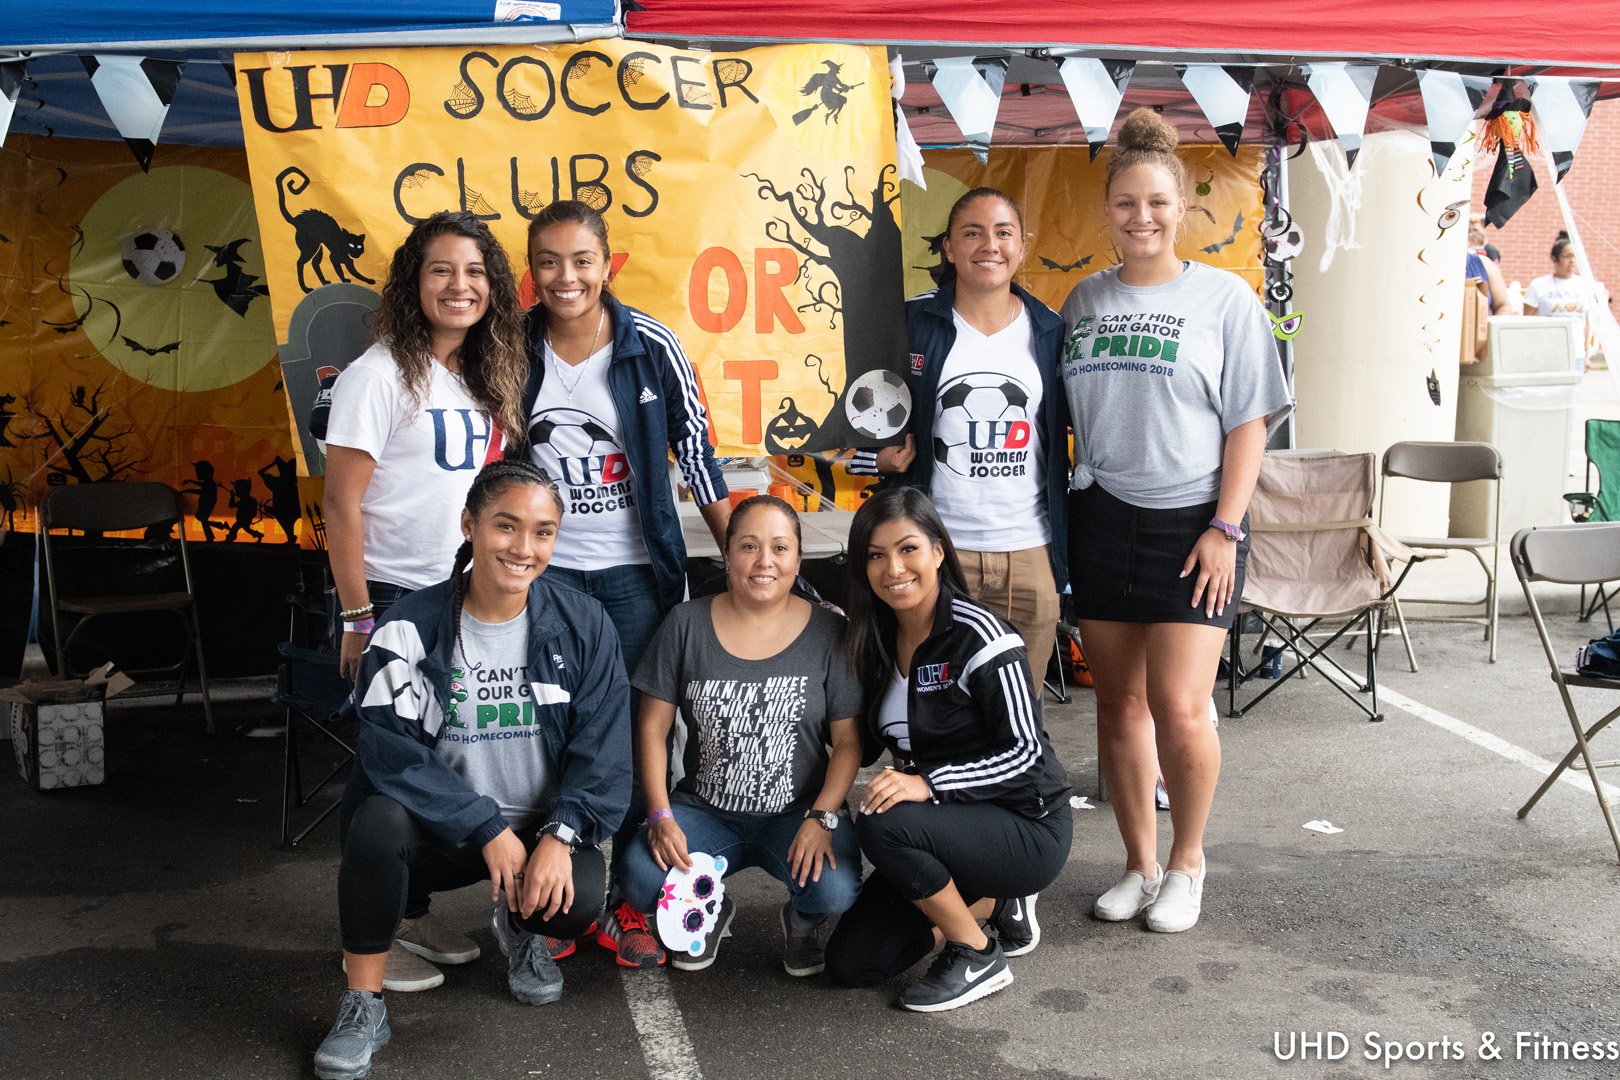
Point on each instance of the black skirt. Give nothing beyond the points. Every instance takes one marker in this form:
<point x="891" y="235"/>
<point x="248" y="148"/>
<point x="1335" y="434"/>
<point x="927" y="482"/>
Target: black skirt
<point x="1125" y="561"/>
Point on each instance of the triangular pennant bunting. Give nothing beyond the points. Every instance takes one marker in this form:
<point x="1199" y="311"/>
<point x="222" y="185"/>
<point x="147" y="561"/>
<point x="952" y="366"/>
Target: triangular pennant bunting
<point x="1344" y="91"/>
<point x="11" y="80"/>
<point x="136" y="91"/>
<point x="970" y="87"/>
<point x="908" y="153"/>
<point x="1561" y="106"/>
<point x="1096" y="87"/>
<point x="1223" y="94"/>
<point x="1450" y="100"/>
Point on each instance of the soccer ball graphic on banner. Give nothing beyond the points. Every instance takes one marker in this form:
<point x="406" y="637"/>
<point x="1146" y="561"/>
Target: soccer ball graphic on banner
<point x="980" y="412"/>
<point x="154" y="258"/>
<point x="879" y="404"/>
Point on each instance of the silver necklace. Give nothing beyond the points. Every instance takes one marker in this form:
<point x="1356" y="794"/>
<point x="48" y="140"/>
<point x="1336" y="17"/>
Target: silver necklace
<point x="583" y="364"/>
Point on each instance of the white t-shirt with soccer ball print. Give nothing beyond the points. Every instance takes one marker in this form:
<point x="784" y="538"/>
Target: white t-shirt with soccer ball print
<point x="574" y="436"/>
<point x="988" y="461"/>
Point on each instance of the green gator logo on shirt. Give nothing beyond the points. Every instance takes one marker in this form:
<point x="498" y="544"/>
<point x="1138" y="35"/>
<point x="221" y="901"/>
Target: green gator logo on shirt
<point x="458" y="694"/>
<point x="1082" y="329"/>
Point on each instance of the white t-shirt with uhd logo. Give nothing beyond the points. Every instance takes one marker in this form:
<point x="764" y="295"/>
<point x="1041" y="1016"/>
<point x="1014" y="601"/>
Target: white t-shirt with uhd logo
<point x="426" y="459"/>
<point x="574" y="436"/>
<point x="988" y="460"/>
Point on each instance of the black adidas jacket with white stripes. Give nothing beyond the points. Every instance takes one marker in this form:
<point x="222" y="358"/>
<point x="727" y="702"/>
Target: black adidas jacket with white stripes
<point x="975" y="714"/>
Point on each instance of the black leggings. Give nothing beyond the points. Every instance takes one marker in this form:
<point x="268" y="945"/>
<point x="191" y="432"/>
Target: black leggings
<point x="918" y="849"/>
<point x="387" y="853"/>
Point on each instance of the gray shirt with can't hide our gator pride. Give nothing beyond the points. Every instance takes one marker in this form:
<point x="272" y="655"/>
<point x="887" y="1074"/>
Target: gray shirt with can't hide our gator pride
<point x="1157" y="375"/>
<point x="489" y="736"/>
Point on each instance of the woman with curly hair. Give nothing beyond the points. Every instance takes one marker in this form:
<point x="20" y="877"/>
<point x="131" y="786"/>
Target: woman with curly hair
<point x="413" y="420"/>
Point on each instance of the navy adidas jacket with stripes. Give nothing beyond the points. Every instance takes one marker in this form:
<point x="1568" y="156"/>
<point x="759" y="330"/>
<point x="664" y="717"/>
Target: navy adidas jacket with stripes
<point x="655" y="391"/>
<point x="975" y="714"/>
<point x="581" y="708"/>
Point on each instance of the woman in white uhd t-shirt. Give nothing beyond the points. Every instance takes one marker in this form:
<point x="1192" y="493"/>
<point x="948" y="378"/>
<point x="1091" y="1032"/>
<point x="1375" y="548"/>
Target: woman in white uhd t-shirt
<point x="994" y="447"/>
<point x="416" y="416"/>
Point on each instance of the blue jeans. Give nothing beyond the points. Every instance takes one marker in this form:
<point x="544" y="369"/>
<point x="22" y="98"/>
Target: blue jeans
<point x="745" y="840"/>
<point x="630" y="595"/>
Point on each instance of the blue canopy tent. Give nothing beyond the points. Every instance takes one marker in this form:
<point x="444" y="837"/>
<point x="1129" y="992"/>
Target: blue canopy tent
<point x="57" y="97"/>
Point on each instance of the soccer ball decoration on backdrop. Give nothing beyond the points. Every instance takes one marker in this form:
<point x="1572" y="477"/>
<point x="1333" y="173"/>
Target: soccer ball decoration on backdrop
<point x="879" y="404"/>
<point x="154" y="258"/>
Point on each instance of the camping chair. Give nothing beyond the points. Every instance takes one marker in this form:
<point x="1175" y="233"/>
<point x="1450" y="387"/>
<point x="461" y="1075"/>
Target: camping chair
<point x="1602" y="454"/>
<point x="1450" y="463"/>
<point x="121" y="507"/>
<point x="312" y="691"/>
<point x="1315" y="557"/>
<point x="1572" y="555"/>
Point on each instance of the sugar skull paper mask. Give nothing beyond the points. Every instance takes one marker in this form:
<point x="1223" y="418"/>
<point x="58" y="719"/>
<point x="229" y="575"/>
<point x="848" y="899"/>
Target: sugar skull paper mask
<point x="690" y="906"/>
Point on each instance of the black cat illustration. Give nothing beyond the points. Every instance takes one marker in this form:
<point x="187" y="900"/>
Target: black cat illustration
<point x="315" y="231"/>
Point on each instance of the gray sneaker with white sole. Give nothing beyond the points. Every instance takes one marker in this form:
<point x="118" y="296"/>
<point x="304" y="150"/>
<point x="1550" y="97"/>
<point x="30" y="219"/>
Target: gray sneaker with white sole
<point x="361" y="1030"/>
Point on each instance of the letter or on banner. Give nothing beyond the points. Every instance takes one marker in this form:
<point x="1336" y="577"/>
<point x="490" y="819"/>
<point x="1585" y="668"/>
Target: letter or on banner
<point x="751" y="200"/>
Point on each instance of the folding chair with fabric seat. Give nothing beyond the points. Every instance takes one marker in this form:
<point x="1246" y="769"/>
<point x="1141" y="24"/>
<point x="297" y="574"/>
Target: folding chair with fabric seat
<point x="1584" y="554"/>
<point x="311" y="688"/>
<point x="1450" y="463"/>
<point x="1315" y="557"/>
<point x="112" y="507"/>
<point x="1602" y="455"/>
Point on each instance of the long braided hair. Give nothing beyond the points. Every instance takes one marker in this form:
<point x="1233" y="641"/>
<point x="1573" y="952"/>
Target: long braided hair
<point x="492" y="481"/>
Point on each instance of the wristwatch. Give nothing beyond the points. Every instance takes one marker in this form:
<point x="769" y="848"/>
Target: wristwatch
<point x="827" y="819"/>
<point x="562" y="832"/>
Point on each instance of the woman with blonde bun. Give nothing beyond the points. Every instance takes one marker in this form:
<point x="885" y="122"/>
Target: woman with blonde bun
<point x="1173" y="382"/>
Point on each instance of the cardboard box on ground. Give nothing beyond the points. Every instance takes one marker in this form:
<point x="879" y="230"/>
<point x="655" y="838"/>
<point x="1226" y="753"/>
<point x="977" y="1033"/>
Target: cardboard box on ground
<point x="57" y="728"/>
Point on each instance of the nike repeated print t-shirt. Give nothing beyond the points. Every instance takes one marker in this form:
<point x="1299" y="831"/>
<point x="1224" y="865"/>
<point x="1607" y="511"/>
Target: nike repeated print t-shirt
<point x="759" y="728"/>
<point x="1157" y="375"/>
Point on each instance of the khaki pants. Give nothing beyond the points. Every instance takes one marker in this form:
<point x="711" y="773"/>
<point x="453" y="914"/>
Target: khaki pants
<point x="1018" y="586"/>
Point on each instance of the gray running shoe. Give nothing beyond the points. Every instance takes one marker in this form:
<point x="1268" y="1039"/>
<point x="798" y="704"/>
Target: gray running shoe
<point x="361" y="1030"/>
<point x="433" y="939"/>
<point x="532" y="974"/>
<point x="801" y="953"/>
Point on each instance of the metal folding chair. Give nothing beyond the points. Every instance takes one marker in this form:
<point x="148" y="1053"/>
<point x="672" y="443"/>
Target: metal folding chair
<point x="312" y="691"/>
<point x="1450" y="463"/>
<point x="1584" y="554"/>
<point x="122" y="507"/>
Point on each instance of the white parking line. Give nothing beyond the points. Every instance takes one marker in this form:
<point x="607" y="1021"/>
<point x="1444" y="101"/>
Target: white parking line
<point x="1494" y="743"/>
<point x="659" y="1026"/>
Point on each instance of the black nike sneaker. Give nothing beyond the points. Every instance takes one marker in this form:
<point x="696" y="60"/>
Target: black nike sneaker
<point x="1014" y="923"/>
<point x="959" y="974"/>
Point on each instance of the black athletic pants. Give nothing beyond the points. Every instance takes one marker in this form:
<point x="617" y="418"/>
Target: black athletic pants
<point x="387" y="854"/>
<point x="919" y="848"/>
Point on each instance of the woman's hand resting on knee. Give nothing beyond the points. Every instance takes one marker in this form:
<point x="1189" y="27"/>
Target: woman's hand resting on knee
<point x="668" y="844"/>
<point x="548" y="882"/>
<point x="890" y="787"/>
<point x="505" y="856"/>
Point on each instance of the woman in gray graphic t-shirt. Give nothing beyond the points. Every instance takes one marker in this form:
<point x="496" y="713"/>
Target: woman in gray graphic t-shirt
<point x="1172" y="380"/>
<point x="760" y="676"/>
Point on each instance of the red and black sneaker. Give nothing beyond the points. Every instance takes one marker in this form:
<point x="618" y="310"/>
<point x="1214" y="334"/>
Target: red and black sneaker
<point x="625" y="932"/>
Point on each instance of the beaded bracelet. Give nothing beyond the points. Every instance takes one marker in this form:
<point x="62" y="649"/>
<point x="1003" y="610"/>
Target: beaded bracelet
<point x="666" y="814"/>
<point x="355" y="613"/>
<point x="1233" y="533"/>
<point x="359" y="626"/>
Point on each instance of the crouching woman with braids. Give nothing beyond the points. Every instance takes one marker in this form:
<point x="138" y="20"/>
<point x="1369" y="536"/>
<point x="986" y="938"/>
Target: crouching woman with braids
<point x="494" y="744"/>
<point x="974" y="820"/>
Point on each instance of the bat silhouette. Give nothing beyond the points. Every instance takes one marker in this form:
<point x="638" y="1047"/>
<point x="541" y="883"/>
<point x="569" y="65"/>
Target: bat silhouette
<point x="1050" y="265"/>
<point x="1236" y="228"/>
<point x="138" y="347"/>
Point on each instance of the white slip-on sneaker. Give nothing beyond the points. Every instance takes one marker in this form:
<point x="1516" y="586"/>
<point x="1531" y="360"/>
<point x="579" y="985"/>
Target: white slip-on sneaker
<point x="1130" y="897"/>
<point x="1180" y="898"/>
